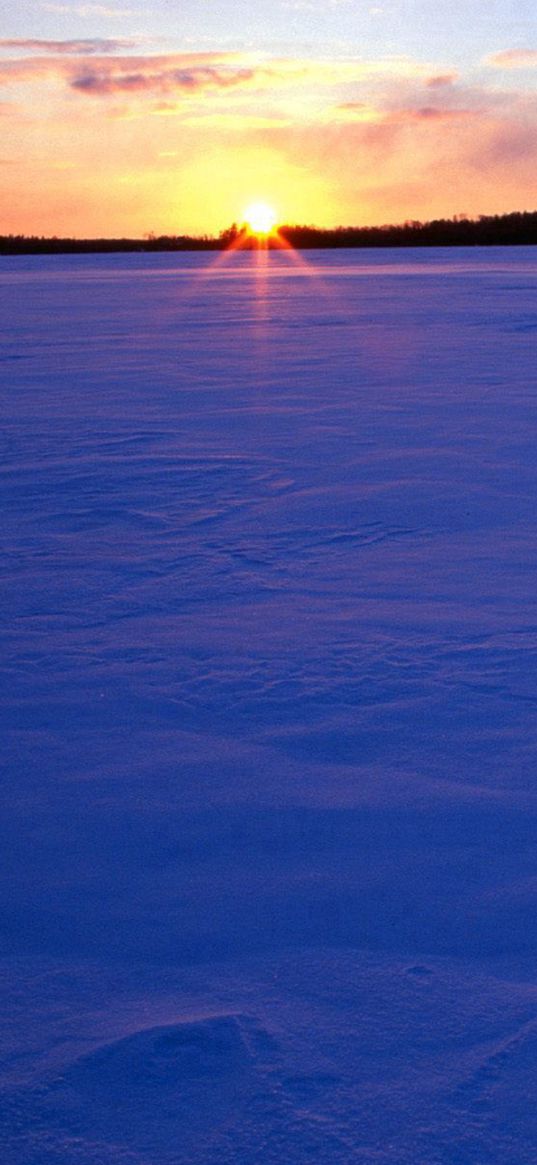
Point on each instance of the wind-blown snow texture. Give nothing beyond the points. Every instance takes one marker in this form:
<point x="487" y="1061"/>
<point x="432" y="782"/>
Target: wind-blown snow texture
<point x="269" y="654"/>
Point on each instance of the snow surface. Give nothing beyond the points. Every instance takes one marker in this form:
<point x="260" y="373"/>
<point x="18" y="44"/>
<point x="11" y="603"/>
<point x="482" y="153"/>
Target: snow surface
<point x="269" y="884"/>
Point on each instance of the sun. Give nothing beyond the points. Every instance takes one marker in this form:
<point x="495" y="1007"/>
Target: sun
<point x="260" y="218"/>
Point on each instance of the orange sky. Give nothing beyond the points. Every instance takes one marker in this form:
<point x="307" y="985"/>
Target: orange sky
<point x="102" y="138"/>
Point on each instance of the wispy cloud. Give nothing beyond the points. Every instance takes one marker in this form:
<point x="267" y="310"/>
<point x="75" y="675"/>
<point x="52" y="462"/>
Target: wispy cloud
<point x="514" y="59"/>
<point x="84" y="47"/>
<point x="428" y="113"/>
<point x="100" y="71"/>
<point x="102" y="75"/>
<point x="352" y="111"/>
<point x="358" y="111"/>
<point x="102" y="82"/>
<point x="441" y="80"/>
<point x="511" y="146"/>
<point x="90" y="72"/>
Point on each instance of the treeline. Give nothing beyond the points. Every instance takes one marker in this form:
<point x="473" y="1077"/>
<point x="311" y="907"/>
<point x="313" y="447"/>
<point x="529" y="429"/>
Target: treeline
<point x="39" y="245"/>
<point x="516" y="229"/>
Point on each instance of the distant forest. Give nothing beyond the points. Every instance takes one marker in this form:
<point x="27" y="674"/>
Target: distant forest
<point x="518" y="228"/>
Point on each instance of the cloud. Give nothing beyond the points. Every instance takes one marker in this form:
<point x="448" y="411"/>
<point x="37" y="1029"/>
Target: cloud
<point x="100" y="74"/>
<point x="359" y="111"/>
<point x="232" y="70"/>
<point x="510" y="146"/>
<point x="514" y="59"/>
<point x="102" y="82"/>
<point x="441" y="80"/>
<point x="429" y="113"/>
<point x="29" y="69"/>
<point x="352" y="106"/>
<point x="85" y="47"/>
<point x="353" y="111"/>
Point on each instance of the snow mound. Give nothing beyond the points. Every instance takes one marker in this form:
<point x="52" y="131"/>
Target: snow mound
<point x="165" y="1059"/>
<point x="168" y="1092"/>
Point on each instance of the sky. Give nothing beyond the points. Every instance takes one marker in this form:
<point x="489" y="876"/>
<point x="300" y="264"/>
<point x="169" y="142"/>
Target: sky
<point x="126" y="118"/>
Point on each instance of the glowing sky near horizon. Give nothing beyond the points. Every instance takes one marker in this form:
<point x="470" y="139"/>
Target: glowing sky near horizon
<point x="122" y="118"/>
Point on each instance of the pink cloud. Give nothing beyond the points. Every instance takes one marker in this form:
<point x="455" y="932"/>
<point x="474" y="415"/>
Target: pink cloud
<point x="428" y="113"/>
<point x="440" y="80"/>
<point x="514" y="59"/>
<point x="101" y="71"/>
<point x="96" y="75"/>
<point x="352" y="106"/>
<point x="102" y="82"/>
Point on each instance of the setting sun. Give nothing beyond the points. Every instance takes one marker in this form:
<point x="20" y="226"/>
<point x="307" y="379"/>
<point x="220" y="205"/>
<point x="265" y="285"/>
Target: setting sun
<point x="260" y="218"/>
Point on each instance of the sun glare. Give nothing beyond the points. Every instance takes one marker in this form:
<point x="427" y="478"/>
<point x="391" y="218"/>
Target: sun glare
<point x="260" y="218"/>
